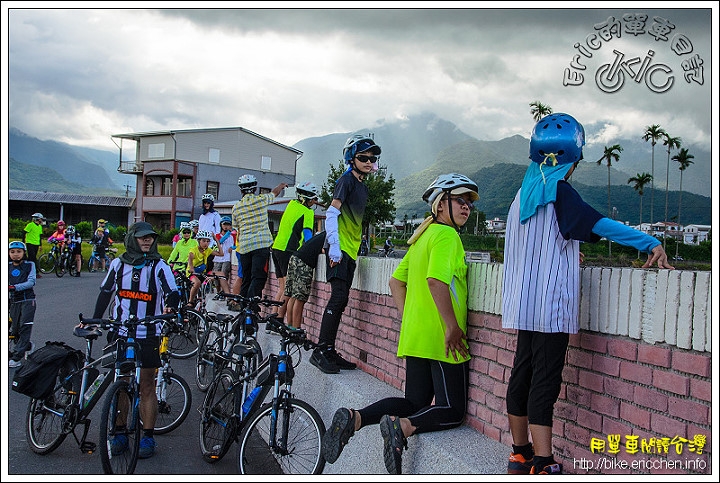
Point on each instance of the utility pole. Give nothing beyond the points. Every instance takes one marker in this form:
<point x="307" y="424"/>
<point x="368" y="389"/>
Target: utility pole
<point x="127" y="190"/>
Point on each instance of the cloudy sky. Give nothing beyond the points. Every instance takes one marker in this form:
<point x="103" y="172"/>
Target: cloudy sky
<point x="81" y="75"/>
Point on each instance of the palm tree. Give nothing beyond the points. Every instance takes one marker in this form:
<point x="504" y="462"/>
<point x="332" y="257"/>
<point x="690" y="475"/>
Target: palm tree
<point x="671" y="143"/>
<point x="653" y="133"/>
<point x="684" y="158"/>
<point x="640" y="180"/>
<point x="539" y="110"/>
<point x="610" y="154"/>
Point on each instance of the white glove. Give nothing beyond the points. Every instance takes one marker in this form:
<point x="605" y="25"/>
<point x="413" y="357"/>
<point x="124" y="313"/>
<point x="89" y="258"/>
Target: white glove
<point x="334" y="253"/>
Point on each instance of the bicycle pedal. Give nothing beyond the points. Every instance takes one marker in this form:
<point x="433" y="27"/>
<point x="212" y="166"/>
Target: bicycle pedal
<point x="88" y="447"/>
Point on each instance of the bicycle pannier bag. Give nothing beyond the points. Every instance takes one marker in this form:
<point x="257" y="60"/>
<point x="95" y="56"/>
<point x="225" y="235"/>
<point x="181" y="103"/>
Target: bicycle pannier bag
<point x="36" y="377"/>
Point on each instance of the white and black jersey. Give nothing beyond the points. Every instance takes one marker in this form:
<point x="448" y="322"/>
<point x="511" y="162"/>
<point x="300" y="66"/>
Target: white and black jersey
<point x="139" y="291"/>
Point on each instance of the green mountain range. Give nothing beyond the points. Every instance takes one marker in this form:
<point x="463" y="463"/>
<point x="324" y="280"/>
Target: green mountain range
<point x="414" y="151"/>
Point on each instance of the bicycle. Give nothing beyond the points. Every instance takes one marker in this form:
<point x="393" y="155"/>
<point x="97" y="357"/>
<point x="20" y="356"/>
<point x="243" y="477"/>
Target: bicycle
<point x="173" y="392"/>
<point x="47" y="261"/>
<point x="77" y="390"/>
<point x="95" y="259"/>
<point x="215" y="350"/>
<point x="283" y="435"/>
<point x="66" y="263"/>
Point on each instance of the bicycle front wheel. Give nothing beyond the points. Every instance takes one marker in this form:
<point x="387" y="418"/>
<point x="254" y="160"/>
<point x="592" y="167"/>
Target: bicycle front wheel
<point x="61" y="266"/>
<point x="174" y="401"/>
<point x="45" y="430"/>
<point x="46" y="262"/>
<point x="184" y="344"/>
<point x="218" y="424"/>
<point x="296" y="449"/>
<point x="120" y="429"/>
<point x="207" y="359"/>
<point x="91" y="263"/>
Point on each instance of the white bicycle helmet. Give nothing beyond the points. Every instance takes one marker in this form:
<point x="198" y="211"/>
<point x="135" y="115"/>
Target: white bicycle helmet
<point x="452" y="183"/>
<point x="247" y="182"/>
<point x="193" y="223"/>
<point x="204" y="234"/>
<point x="208" y="197"/>
<point x="307" y="190"/>
<point x="183" y="225"/>
<point x="38" y="216"/>
<point x="70" y="230"/>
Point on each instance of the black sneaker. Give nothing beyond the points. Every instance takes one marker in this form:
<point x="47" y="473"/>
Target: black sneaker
<point x="320" y="360"/>
<point x="341" y="362"/>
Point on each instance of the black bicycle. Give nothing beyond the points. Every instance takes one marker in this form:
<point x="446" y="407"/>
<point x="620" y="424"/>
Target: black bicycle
<point x="48" y="260"/>
<point x="282" y="436"/>
<point x="79" y="386"/>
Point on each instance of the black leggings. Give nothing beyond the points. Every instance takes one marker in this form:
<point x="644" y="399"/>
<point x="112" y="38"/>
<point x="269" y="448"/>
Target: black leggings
<point x="255" y="271"/>
<point x="341" y="278"/>
<point x="426" y="379"/>
<point x="536" y="375"/>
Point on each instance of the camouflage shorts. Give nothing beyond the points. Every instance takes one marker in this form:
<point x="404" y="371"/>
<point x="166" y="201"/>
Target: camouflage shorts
<point x="298" y="281"/>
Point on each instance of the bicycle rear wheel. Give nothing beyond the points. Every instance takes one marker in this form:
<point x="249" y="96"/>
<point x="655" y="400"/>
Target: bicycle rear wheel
<point x="218" y="424"/>
<point x="206" y="360"/>
<point x="297" y="450"/>
<point x="173" y="404"/>
<point x="46" y="262"/>
<point x="120" y="458"/>
<point x="44" y="427"/>
<point x="184" y="344"/>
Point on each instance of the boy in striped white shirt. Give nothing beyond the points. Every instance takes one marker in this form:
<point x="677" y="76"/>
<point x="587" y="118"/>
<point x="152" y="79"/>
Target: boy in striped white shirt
<point x="541" y="286"/>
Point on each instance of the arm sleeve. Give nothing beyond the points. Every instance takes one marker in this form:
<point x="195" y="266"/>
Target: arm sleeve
<point x="617" y="232"/>
<point x="331" y="225"/>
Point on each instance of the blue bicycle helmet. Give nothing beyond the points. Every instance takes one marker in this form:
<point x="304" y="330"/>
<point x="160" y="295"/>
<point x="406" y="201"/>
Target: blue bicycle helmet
<point x="225" y="219"/>
<point x="358" y="144"/>
<point x="557" y="136"/>
<point x="17" y="244"/>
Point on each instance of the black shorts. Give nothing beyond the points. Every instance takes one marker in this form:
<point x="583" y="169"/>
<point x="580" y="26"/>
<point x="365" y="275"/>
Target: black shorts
<point x="281" y="258"/>
<point x="149" y="350"/>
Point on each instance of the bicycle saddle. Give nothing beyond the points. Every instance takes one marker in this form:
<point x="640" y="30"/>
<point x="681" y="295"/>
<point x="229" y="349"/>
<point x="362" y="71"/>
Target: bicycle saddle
<point x="87" y="332"/>
<point x="244" y="350"/>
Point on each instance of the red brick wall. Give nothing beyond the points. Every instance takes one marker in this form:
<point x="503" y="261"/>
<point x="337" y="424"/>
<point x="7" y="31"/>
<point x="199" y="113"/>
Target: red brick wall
<point x="613" y="385"/>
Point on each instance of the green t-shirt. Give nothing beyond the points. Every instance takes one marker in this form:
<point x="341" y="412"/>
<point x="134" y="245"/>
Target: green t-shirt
<point x="439" y="254"/>
<point x="33" y="232"/>
<point x="181" y="250"/>
<point x="295" y="219"/>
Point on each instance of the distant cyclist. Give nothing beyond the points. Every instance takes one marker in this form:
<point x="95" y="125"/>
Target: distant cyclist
<point x="33" y="238"/>
<point x="75" y="245"/>
<point x="102" y="241"/>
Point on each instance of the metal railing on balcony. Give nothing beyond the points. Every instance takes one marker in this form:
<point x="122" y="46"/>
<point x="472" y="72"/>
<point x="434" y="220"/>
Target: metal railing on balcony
<point x="130" y="167"/>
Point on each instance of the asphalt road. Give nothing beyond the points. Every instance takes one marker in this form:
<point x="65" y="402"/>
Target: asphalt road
<point x="59" y="300"/>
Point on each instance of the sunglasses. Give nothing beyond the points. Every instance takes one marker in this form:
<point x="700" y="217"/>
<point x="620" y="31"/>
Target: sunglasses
<point x="366" y="159"/>
<point x="463" y="202"/>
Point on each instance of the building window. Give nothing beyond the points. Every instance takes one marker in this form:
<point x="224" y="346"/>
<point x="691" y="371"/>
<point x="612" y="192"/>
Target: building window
<point x="266" y="163"/>
<point x="149" y="187"/>
<point x="214" y="155"/>
<point x="156" y="150"/>
<point x="166" y="187"/>
<point x="213" y="187"/>
<point x="184" y="187"/>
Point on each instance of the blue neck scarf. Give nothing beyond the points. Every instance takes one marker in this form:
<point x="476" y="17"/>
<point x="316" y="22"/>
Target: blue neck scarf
<point x="539" y="187"/>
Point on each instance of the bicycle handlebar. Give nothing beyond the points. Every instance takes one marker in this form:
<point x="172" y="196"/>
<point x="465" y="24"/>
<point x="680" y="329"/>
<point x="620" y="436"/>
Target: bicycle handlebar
<point x="131" y="322"/>
<point x="291" y="334"/>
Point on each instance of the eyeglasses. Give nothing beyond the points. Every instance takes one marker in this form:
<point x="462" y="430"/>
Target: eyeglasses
<point x="463" y="202"/>
<point x="366" y="159"/>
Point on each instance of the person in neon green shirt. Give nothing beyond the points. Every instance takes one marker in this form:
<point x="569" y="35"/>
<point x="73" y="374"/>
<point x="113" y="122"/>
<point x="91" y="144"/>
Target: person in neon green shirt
<point x="296" y="227"/>
<point x="429" y="288"/>
<point x="182" y="248"/>
<point x="32" y="235"/>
